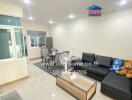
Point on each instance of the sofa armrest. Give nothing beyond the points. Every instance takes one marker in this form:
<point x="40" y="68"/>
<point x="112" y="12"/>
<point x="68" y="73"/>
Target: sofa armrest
<point x="76" y="60"/>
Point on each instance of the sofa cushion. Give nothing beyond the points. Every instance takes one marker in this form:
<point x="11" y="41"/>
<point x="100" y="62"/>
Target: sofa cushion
<point x="103" y="61"/>
<point x="118" y="87"/>
<point x="88" y="57"/>
<point x="101" y="71"/>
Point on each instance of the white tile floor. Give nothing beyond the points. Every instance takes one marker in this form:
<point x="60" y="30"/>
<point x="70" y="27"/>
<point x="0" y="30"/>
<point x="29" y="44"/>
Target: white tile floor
<point x="42" y="86"/>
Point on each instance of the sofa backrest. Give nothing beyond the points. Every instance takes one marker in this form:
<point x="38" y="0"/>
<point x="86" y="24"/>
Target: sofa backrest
<point x="88" y="57"/>
<point x="103" y="61"/>
<point x="98" y="60"/>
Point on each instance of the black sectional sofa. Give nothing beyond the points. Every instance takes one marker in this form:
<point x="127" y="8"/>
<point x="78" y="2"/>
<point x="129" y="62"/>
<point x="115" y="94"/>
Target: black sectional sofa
<point x="97" y="67"/>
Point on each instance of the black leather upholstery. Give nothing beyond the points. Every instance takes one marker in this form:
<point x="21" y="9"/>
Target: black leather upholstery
<point x="101" y="71"/>
<point x="117" y="87"/>
<point x="88" y="57"/>
<point x="103" y="61"/>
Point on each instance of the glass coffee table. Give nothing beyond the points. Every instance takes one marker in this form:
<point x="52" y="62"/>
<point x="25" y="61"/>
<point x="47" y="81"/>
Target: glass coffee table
<point x="77" y="85"/>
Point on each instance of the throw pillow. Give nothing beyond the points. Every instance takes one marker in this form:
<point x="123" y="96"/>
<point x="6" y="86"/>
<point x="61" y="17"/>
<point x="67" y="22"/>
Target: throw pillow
<point x="117" y="65"/>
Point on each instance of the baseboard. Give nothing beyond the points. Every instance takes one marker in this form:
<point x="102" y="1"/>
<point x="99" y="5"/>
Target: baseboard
<point x="35" y="58"/>
<point x="14" y="81"/>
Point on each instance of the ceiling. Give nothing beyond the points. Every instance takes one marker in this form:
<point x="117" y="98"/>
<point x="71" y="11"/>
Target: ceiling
<point x="59" y="10"/>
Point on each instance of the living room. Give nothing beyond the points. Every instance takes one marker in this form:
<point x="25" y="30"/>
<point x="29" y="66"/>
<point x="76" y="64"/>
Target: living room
<point x="65" y="50"/>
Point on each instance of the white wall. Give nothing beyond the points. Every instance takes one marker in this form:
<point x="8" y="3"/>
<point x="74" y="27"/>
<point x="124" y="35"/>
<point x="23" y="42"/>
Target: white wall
<point x="10" y="10"/>
<point x="11" y="70"/>
<point x="109" y="35"/>
<point x="34" y="52"/>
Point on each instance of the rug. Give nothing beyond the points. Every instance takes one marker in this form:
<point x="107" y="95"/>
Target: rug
<point x="14" y="95"/>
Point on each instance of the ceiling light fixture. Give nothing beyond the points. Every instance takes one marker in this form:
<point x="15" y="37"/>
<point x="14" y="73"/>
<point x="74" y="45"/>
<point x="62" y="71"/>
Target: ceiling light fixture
<point x="53" y="94"/>
<point x="27" y="1"/>
<point x="30" y="18"/>
<point x="123" y="2"/>
<point x="51" y="22"/>
<point x="71" y="16"/>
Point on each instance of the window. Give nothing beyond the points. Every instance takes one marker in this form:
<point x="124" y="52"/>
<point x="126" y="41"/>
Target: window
<point x="8" y="20"/>
<point x="37" y="38"/>
<point x="5" y="44"/>
<point x="34" y="41"/>
<point x="37" y="41"/>
<point x="25" y="42"/>
<point x="11" y="38"/>
<point x="20" y="47"/>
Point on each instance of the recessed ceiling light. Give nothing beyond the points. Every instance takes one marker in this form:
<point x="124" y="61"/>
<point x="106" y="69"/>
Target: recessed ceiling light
<point x="71" y="16"/>
<point x="53" y="94"/>
<point x="27" y="1"/>
<point x="30" y="18"/>
<point x="123" y="2"/>
<point x="51" y="22"/>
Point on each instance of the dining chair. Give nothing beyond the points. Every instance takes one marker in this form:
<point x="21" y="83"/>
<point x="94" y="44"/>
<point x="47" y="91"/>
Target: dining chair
<point x="57" y="59"/>
<point x="45" y="54"/>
